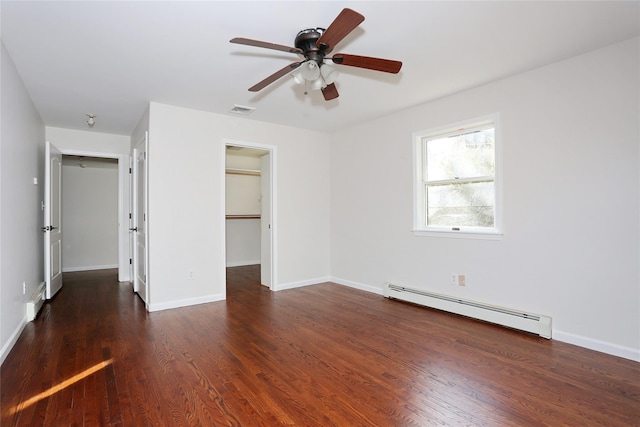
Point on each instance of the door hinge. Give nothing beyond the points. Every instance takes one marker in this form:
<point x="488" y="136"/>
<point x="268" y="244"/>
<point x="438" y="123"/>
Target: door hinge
<point x="130" y="261"/>
<point x="130" y="216"/>
<point x="129" y="170"/>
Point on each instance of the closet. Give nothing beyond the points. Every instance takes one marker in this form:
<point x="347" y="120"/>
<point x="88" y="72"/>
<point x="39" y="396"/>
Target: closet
<point x="243" y="206"/>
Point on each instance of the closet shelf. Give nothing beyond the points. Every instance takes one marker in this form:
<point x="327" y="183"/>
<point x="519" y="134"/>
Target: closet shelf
<point x="243" y="216"/>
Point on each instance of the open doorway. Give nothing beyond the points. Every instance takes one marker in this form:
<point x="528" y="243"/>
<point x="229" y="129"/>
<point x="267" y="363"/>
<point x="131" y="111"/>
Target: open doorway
<point x="89" y="159"/>
<point x="82" y="189"/>
<point x="249" y="207"/>
<point x="89" y="213"/>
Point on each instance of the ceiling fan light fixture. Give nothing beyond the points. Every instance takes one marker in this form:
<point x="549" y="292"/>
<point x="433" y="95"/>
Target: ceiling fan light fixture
<point x="310" y="70"/>
<point x="328" y="73"/>
<point x="317" y="84"/>
<point x="314" y="44"/>
<point x="297" y="76"/>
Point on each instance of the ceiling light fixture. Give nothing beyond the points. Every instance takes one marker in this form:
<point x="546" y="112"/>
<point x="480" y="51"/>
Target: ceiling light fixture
<point x="314" y="76"/>
<point x="314" y="44"/>
<point x="91" y="120"/>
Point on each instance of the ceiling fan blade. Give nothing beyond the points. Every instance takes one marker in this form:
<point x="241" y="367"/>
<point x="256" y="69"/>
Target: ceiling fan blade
<point x="377" y="64"/>
<point x="330" y="92"/>
<point x="275" y="76"/>
<point x="344" y="23"/>
<point x="266" y="45"/>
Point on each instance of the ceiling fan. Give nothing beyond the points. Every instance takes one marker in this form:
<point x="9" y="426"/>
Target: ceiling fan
<point x="314" y="44"/>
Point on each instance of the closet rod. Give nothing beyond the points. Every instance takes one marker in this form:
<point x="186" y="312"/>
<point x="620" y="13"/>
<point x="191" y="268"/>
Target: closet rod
<point x="237" y="171"/>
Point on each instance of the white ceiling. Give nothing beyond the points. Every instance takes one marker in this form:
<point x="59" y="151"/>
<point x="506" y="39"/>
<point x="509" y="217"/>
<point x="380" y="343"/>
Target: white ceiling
<point x="111" y="58"/>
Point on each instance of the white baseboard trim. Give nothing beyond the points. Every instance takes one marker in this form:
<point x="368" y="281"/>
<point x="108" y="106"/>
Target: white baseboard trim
<point x="185" y="302"/>
<point x="242" y="263"/>
<point x="356" y="285"/>
<point x="292" y="285"/>
<point x="6" y="348"/>
<point x="89" y="268"/>
<point x="597" y="345"/>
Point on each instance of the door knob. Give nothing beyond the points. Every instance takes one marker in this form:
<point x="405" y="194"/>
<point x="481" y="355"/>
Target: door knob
<point x="133" y="229"/>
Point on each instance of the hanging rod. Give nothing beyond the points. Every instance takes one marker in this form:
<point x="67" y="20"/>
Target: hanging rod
<point x="239" y="171"/>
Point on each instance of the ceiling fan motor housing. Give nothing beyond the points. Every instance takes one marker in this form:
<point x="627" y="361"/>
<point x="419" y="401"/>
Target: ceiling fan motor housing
<point x="306" y="41"/>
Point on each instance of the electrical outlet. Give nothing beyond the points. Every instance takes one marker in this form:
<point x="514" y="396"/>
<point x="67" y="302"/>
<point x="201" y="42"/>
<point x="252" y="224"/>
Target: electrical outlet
<point x="462" y="280"/>
<point x="454" y="279"/>
<point x="191" y="274"/>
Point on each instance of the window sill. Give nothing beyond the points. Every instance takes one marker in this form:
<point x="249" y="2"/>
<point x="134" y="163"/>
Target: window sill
<point x="480" y="235"/>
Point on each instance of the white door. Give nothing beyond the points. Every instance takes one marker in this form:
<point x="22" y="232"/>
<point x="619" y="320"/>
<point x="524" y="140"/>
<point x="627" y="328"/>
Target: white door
<point x="52" y="220"/>
<point x="139" y="229"/>
<point x="265" y="220"/>
<point x="131" y="223"/>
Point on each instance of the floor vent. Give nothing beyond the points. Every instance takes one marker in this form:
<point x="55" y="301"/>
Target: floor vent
<point x="533" y="323"/>
<point x="35" y="302"/>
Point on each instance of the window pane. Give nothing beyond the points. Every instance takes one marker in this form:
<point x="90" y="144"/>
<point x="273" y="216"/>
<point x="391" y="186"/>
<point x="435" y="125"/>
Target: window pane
<point x="455" y="205"/>
<point x="461" y="156"/>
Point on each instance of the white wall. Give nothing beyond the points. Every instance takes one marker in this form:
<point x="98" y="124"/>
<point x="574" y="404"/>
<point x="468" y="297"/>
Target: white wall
<point x="94" y="143"/>
<point x="72" y="141"/>
<point x="141" y="128"/>
<point x="243" y="194"/>
<point x="571" y="201"/>
<point x="89" y="216"/>
<point x="21" y="160"/>
<point x="186" y="202"/>
<point x="243" y="242"/>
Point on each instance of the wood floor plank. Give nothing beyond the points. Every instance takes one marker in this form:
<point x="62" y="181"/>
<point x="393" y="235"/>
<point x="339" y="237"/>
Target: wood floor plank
<point x="322" y="355"/>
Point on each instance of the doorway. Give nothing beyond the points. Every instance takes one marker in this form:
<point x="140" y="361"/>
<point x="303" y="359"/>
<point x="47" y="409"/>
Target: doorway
<point x="249" y="208"/>
<point x="99" y="238"/>
<point x="90" y="213"/>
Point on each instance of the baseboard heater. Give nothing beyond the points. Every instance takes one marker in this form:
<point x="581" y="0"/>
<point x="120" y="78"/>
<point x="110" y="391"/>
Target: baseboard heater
<point x="533" y="323"/>
<point x="35" y="302"/>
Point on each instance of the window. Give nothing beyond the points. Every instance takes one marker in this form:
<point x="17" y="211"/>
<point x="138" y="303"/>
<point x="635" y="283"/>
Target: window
<point x="456" y="180"/>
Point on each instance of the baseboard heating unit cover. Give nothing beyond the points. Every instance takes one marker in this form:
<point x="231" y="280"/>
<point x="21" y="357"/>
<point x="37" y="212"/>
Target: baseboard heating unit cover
<point x="533" y="323"/>
<point x="35" y="302"/>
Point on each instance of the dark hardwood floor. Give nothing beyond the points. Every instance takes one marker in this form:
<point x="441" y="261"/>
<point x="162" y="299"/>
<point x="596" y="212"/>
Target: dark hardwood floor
<point x="323" y="355"/>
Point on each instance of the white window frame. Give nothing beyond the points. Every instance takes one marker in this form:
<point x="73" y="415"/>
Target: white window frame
<point x="420" y="227"/>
